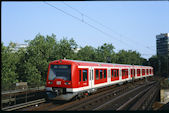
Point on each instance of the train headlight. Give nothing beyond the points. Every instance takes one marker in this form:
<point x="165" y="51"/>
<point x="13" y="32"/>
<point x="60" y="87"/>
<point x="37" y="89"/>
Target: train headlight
<point x="50" y="82"/>
<point x="67" y="83"/>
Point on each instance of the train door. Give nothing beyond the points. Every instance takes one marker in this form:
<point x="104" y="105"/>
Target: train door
<point x="135" y="73"/>
<point x="120" y="74"/>
<point x="132" y="73"/>
<point x="109" y="75"/>
<point x="91" y="77"/>
<point x="83" y="77"/>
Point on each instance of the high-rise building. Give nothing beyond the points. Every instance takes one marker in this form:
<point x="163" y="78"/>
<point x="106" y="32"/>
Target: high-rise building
<point x="162" y="42"/>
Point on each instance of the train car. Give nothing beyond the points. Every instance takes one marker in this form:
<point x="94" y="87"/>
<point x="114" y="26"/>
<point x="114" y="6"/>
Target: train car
<point x="67" y="79"/>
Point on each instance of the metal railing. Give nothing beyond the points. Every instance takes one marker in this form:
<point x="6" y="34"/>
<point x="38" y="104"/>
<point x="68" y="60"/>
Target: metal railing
<point x="21" y="95"/>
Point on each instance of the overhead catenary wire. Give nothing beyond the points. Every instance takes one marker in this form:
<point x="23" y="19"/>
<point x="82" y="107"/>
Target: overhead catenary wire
<point x="83" y="21"/>
<point x="107" y="34"/>
<point x="101" y="24"/>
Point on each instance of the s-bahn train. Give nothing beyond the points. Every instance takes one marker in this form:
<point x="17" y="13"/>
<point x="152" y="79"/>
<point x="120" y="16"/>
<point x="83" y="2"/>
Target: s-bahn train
<point x="67" y="79"/>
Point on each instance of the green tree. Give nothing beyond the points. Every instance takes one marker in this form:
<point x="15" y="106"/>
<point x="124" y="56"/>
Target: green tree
<point x="33" y="75"/>
<point x="8" y="72"/>
<point x="160" y="65"/>
<point x="66" y="48"/>
<point x="87" y="54"/>
<point x="129" y="57"/>
<point x="154" y="62"/>
<point x="105" y="53"/>
<point x="40" y="53"/>
<point x="21" y="53"/>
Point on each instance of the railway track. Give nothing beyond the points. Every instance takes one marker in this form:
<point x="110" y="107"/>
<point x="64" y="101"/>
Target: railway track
<point x="102" y="95"/>
<point x="103" y="101"/>
<point x="23" y="105"/>
<point x="93" y="101"/>
<point x="52" y="104"/>
<point x="145" y="102"/>
<point x="126" y="100"/>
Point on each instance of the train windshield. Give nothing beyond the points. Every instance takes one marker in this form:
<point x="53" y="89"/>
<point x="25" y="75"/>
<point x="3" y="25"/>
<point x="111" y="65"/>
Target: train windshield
<point x="60" y="72"/>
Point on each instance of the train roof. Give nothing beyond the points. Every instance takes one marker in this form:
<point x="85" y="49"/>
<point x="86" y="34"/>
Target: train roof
<point x="91" y="63"/>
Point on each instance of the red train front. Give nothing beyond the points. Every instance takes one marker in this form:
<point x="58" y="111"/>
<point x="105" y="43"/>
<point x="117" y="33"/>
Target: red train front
<point x="59" y="79"/>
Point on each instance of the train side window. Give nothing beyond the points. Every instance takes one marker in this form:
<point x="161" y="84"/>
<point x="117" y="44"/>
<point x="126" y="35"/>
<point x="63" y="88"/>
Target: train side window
<point x="84" y="75"/>
<point x="126" y="73"/>
<point x="132" y="72"/>
<point x="79" y="75"/>
<point x="143" y="71"/>
<point x="138" y="72"/>
<point x="97" y="74"/>
<point x="101" y="72"/>
<point x="105" y="73"/>
<point x="123" y="72"/>
<point x="117" y="72"/>
<point x="112" y="74"/>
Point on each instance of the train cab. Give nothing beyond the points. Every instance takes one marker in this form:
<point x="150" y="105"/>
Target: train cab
<point x="59" y="79"/>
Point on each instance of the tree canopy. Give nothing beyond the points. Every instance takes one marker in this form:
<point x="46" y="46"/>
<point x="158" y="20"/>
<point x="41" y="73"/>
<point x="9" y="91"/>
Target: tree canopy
<point x="31" y="64"/>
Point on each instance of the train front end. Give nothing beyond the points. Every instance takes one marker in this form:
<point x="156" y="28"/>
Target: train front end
<point x="59" y="80"/>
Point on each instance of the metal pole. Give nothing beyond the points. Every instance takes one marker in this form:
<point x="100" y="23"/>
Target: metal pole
<point x="15" y="95"/>
<point x="26" y="94"/>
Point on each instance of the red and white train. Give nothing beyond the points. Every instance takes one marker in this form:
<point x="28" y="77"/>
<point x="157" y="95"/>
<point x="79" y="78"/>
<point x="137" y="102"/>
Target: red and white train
<point x="71" y="78"/>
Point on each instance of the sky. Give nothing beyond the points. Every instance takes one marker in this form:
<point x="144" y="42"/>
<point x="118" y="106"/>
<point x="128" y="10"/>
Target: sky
<point x="126" y="25"/>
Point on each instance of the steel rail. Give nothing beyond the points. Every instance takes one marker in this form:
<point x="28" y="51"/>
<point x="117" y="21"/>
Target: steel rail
<point x="76" y="103"/>
<point x="145" y="97"/>
<point x="88" y="102"/>
<point x="129" y="102"/>
<point x="101" y="97"/>
<point x="120" y="96"/>
<point x="23" y="105"/>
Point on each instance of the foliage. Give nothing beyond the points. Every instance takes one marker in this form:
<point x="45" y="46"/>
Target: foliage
<point x="34" y="76"/>
<point x="154" y="63"/>
<point x="31" y="64"/>
<point x="129" y="57"/>
<point x="86" y="54"/>
<point x="39" y="52"/>
<point x="160" y="65"/>
<point x="8" y="72"/>
<point x="164" y="83"/>
<point x="105" y="52"/>
<point x="66" y="48"/>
